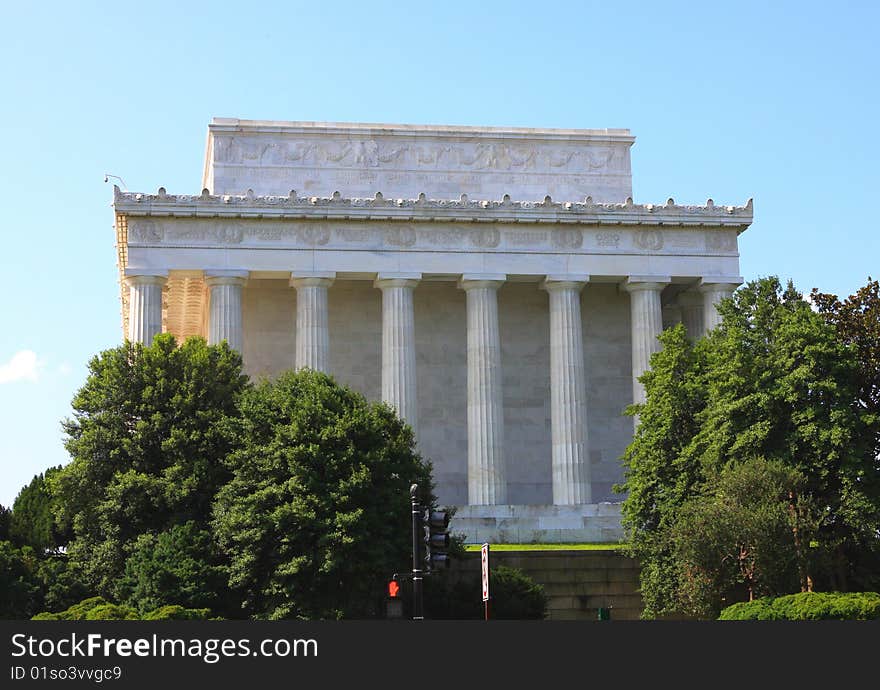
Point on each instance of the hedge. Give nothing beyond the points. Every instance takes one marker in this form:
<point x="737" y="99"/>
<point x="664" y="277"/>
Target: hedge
<point x="807" y="606"/>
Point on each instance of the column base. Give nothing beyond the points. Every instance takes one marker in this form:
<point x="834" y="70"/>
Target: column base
<point x="525" y="524"/>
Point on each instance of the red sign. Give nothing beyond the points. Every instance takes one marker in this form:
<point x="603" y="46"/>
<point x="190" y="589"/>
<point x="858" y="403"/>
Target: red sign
<point x="393" y="588"/>
<point x="484" y="560"/>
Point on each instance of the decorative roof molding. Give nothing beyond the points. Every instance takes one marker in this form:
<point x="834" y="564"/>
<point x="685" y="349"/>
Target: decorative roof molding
<point x="236" y="126"/>
<point x="206" y="205"/>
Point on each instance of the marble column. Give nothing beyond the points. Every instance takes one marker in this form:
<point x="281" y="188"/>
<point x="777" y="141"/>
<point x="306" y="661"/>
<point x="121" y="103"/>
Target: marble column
<point x="312" y="329"/>
<point x="487" y="483"/>
<point x="224" y="307"/>
<point x="691" y="304"/>
<point x="399" y="344"/>
<point x="714" y="290"/>
<point x="646" y="323"/>
<point x="568" y="392"/>
<point x="670" y="315"/>
<point x="144" y="304"/>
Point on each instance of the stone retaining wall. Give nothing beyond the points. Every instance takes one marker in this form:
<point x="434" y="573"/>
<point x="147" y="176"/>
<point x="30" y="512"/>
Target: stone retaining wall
<point x="578" y="583"/>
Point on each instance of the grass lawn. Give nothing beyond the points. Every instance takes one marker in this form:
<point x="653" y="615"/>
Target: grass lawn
<point x="547" y="547"/>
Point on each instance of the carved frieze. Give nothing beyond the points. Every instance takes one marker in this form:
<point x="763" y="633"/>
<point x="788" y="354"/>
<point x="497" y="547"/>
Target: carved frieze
<point x="376" y="153"/>
<point x="144" y="231"/>
<point x="720" y="241"/>
<point x="567" y="239"/>
<point x="434" y="236"/>
<point x="649" y="239"/>
<point x="485" y="238"/>
<point x="400" y="236"/>
<point x="403" y="163"/>
<point x="609" y="240"/>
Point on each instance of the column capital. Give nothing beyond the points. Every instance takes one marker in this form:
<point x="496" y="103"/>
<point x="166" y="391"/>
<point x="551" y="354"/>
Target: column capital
<point x="637" y="283"/>
<point x="564" y="282"/>
<point x="312" y="278"/>
<point x="471" y="281"/>
<point x="689" y="298"/>
<point x="145" y="276"/>
<point x="225" y="276"/>
<point x="716" y="283"/>
<point x="404" y="280"/>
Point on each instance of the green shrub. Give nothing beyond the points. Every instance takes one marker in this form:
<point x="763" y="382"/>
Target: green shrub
<point x="808" y="606"/>
<point x="513" y="596"/>
<point x="111" y="612"/>
<point x="757" y="610"/>
<point x="175" y="612"/>
<point x="78" y="612"/>
<point x="99" y="609"/>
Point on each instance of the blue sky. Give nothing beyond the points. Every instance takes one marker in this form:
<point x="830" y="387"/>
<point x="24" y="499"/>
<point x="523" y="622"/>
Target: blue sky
<point x="776" y="101"/>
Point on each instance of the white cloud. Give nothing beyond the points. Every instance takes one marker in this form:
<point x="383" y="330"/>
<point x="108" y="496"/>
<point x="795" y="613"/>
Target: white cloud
<point x="24" y="366"/>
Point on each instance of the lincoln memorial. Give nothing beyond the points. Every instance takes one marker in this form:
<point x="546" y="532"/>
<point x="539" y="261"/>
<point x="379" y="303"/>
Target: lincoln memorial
<point x="498" y="287"/>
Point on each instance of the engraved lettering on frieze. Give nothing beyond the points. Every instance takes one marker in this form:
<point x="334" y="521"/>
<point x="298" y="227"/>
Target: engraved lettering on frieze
<point x="720" y="242"/>
<point x="356" y="234"/>
<point x="522" y="238"/>
<point x="650" y="240"/>
<point x="608" y="239"/>
<point x="486" y="237"/>
<point x="443" y="235"/>
<point x="145" y="230"/>
<point x="683" y="240"/>
<point x="400" y="236"/>
<point x="567" y="239"/>
<point x="187" y="232"/>
<point x="272" y="232"/>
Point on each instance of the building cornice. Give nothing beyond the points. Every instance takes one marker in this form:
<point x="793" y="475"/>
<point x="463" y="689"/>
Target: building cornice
<point x="237" y="126"/>
<point x="379" y="208"/>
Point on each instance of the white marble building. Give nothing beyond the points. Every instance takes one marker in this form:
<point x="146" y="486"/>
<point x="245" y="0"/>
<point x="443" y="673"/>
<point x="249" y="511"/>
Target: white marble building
<point x="497" y="286"/>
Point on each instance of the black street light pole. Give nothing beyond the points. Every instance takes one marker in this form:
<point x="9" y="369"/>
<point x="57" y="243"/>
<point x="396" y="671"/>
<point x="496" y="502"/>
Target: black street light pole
<point x="417" y="571"/>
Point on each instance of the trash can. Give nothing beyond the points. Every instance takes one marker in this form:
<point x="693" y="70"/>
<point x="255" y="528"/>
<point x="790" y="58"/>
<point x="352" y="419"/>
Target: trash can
<point x="605" y="614"/>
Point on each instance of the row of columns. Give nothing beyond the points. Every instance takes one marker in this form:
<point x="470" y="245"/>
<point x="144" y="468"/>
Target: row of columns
<point x="487" y="483"/>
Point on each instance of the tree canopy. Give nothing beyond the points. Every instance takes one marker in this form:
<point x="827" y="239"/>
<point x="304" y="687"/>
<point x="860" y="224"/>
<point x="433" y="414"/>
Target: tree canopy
<point x="775" y="384"/>
<point x="32" y="522"/>
<point x="147" y="443"/>
<point x="317" y="513"/>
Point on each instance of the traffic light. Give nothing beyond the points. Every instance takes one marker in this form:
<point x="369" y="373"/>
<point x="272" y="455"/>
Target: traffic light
<point x="436" y="528"/>
<point x="393" y="587"/>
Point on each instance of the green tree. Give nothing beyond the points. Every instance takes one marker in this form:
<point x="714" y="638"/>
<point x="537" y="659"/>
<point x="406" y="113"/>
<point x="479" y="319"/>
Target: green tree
<point x="781" y="385"/>
<point x="317" y="514"/>
<point x="5" y="517"/>
<point x="749" y="533"/>
<point x="19" y="588"/>
<point x="147" y="442"/>
<point x="60" y="584"/>
<point x="659" y="478"/>
<point x="180" y="564"/>
<point x="773" y="381"/>
<point x="857" y="320"/>
<point x="33" y="516"/>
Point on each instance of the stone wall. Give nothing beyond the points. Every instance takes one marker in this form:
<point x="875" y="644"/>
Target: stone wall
<point x="577" y="583"/>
